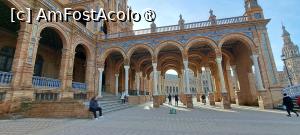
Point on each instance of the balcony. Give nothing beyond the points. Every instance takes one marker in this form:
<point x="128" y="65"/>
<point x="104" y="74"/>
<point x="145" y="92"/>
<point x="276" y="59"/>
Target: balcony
<point x="45" y="83"/>
<point x="202" y="24"/>
<point x="79" y="86"/>
<point x="5" y="78"/>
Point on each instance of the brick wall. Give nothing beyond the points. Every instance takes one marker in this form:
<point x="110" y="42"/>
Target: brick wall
<point x="58" y="109"/>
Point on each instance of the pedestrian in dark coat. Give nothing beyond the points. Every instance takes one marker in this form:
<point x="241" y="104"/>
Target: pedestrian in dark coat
<point x="203" y="97"/>
<point x="176" y="100"/>
<point x="289" y="106"/>
<point x="94" y="107"/>
<point x="170" y="99"/>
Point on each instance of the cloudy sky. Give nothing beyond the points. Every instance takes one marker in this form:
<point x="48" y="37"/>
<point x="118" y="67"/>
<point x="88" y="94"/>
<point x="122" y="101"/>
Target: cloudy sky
<point x="286" y="11"/>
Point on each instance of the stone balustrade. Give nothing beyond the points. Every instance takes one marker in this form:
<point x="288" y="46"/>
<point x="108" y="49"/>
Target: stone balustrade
<point x="5" y="78"/>
<point x="293" y="91"/>
<point x="232" y="20"/>
<point x="79" y="86"/>
<point x="43" y="82"/>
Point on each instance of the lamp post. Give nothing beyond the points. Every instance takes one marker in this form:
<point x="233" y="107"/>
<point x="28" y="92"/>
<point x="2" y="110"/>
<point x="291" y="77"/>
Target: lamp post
<point x="287" y="71"/>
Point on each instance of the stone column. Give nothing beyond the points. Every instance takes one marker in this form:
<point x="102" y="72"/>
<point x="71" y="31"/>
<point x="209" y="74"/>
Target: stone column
<point x="187" y="76"/>
<point x="225" y="98"/>
<point x="236" y="87"/>
<point x="145" y="85"/>
<point x="259" y="83"/>
<point x="126" y="67"/>
<point x="117" y="84"/>
<point x="189" y="96"/>
<point x="137" y="78"/>
<point x="100" y="82"/>
<point x="163" y="85"/>
<point x="209" y="79"/>
<point x="264" y="98"/>
<point x="159" y="82"/>
<point x="21" y="68"/>
<point x="156" y="103"/>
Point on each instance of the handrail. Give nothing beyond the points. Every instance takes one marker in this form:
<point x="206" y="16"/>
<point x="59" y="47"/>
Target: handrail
<point x="79" y="86"/>
<point x="44" y="82"/>
<point x="201" y="24"/>
<point x="5" y="78"/>
<point x="293" y="91"/>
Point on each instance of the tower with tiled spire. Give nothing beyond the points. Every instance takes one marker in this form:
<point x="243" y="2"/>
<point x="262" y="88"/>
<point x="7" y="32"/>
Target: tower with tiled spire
<point x="253" y="10"/>
<point x="291" y="55"/>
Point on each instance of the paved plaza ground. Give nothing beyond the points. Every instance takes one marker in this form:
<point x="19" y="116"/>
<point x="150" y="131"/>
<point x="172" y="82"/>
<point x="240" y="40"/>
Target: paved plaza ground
<point x="144" y="120"/>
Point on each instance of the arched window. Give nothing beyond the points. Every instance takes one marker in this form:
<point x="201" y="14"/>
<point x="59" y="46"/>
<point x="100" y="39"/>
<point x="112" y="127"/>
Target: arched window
<point x="6" y="58"/>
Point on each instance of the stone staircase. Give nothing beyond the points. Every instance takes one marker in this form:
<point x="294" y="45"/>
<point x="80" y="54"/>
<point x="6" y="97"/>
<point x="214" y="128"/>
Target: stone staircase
<point x="72" y="108"/>
<point x="110" y="103"/>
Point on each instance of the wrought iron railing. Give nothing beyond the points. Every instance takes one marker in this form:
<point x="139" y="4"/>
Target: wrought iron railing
<point x="293" y="91"/>
<point x="79" y="86"/>
<point x="43" y="82"/>
<point x="5" y="78"/>
<point x="232" y="20"/>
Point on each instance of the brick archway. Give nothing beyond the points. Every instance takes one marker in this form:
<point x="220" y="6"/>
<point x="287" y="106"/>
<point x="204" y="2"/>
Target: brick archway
<point x="140" y="46"/>
<point x="240" y="37"/>
<point x="108" y="51"/>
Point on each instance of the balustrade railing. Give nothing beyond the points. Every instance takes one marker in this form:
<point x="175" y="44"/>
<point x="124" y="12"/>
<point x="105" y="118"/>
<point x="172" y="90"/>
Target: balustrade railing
<point x="293" y="91"/>
<point x="5" y="78"/>
<point x="233" y="20"/>
<point x="43" y="82"/>
<point x="79" y="86"/>
<point x="80" y="96"/>
<point x="46" y="96"/>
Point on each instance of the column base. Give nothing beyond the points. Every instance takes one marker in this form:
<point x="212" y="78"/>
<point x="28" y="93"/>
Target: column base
<point x="20" y="95"/>
<point x="225" y="103"/>
<point x="16" y="98"/>
<point x="211" y="99"/>
<point x="264" y="100"/>
<point x="237" y="98"/>
<point x="162" y="100"/>
<point x="183" y="99"/>
<point x="156" y="102"/>
<point x="189" y="101"/>
<point x="199" y="97"/>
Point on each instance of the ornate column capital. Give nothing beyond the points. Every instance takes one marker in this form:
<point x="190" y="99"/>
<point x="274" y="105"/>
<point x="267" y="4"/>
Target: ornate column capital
<point x="254" y="57"/>
<point x="100" y="69"/>
<point x="154" y="65"/>
<point x="126" y="67"/>
<point x="219" y="60"/>
<point x="116" y="75"/>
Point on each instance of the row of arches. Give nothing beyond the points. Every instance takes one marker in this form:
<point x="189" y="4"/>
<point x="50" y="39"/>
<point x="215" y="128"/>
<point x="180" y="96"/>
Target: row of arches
<point x="234" y="49"/>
